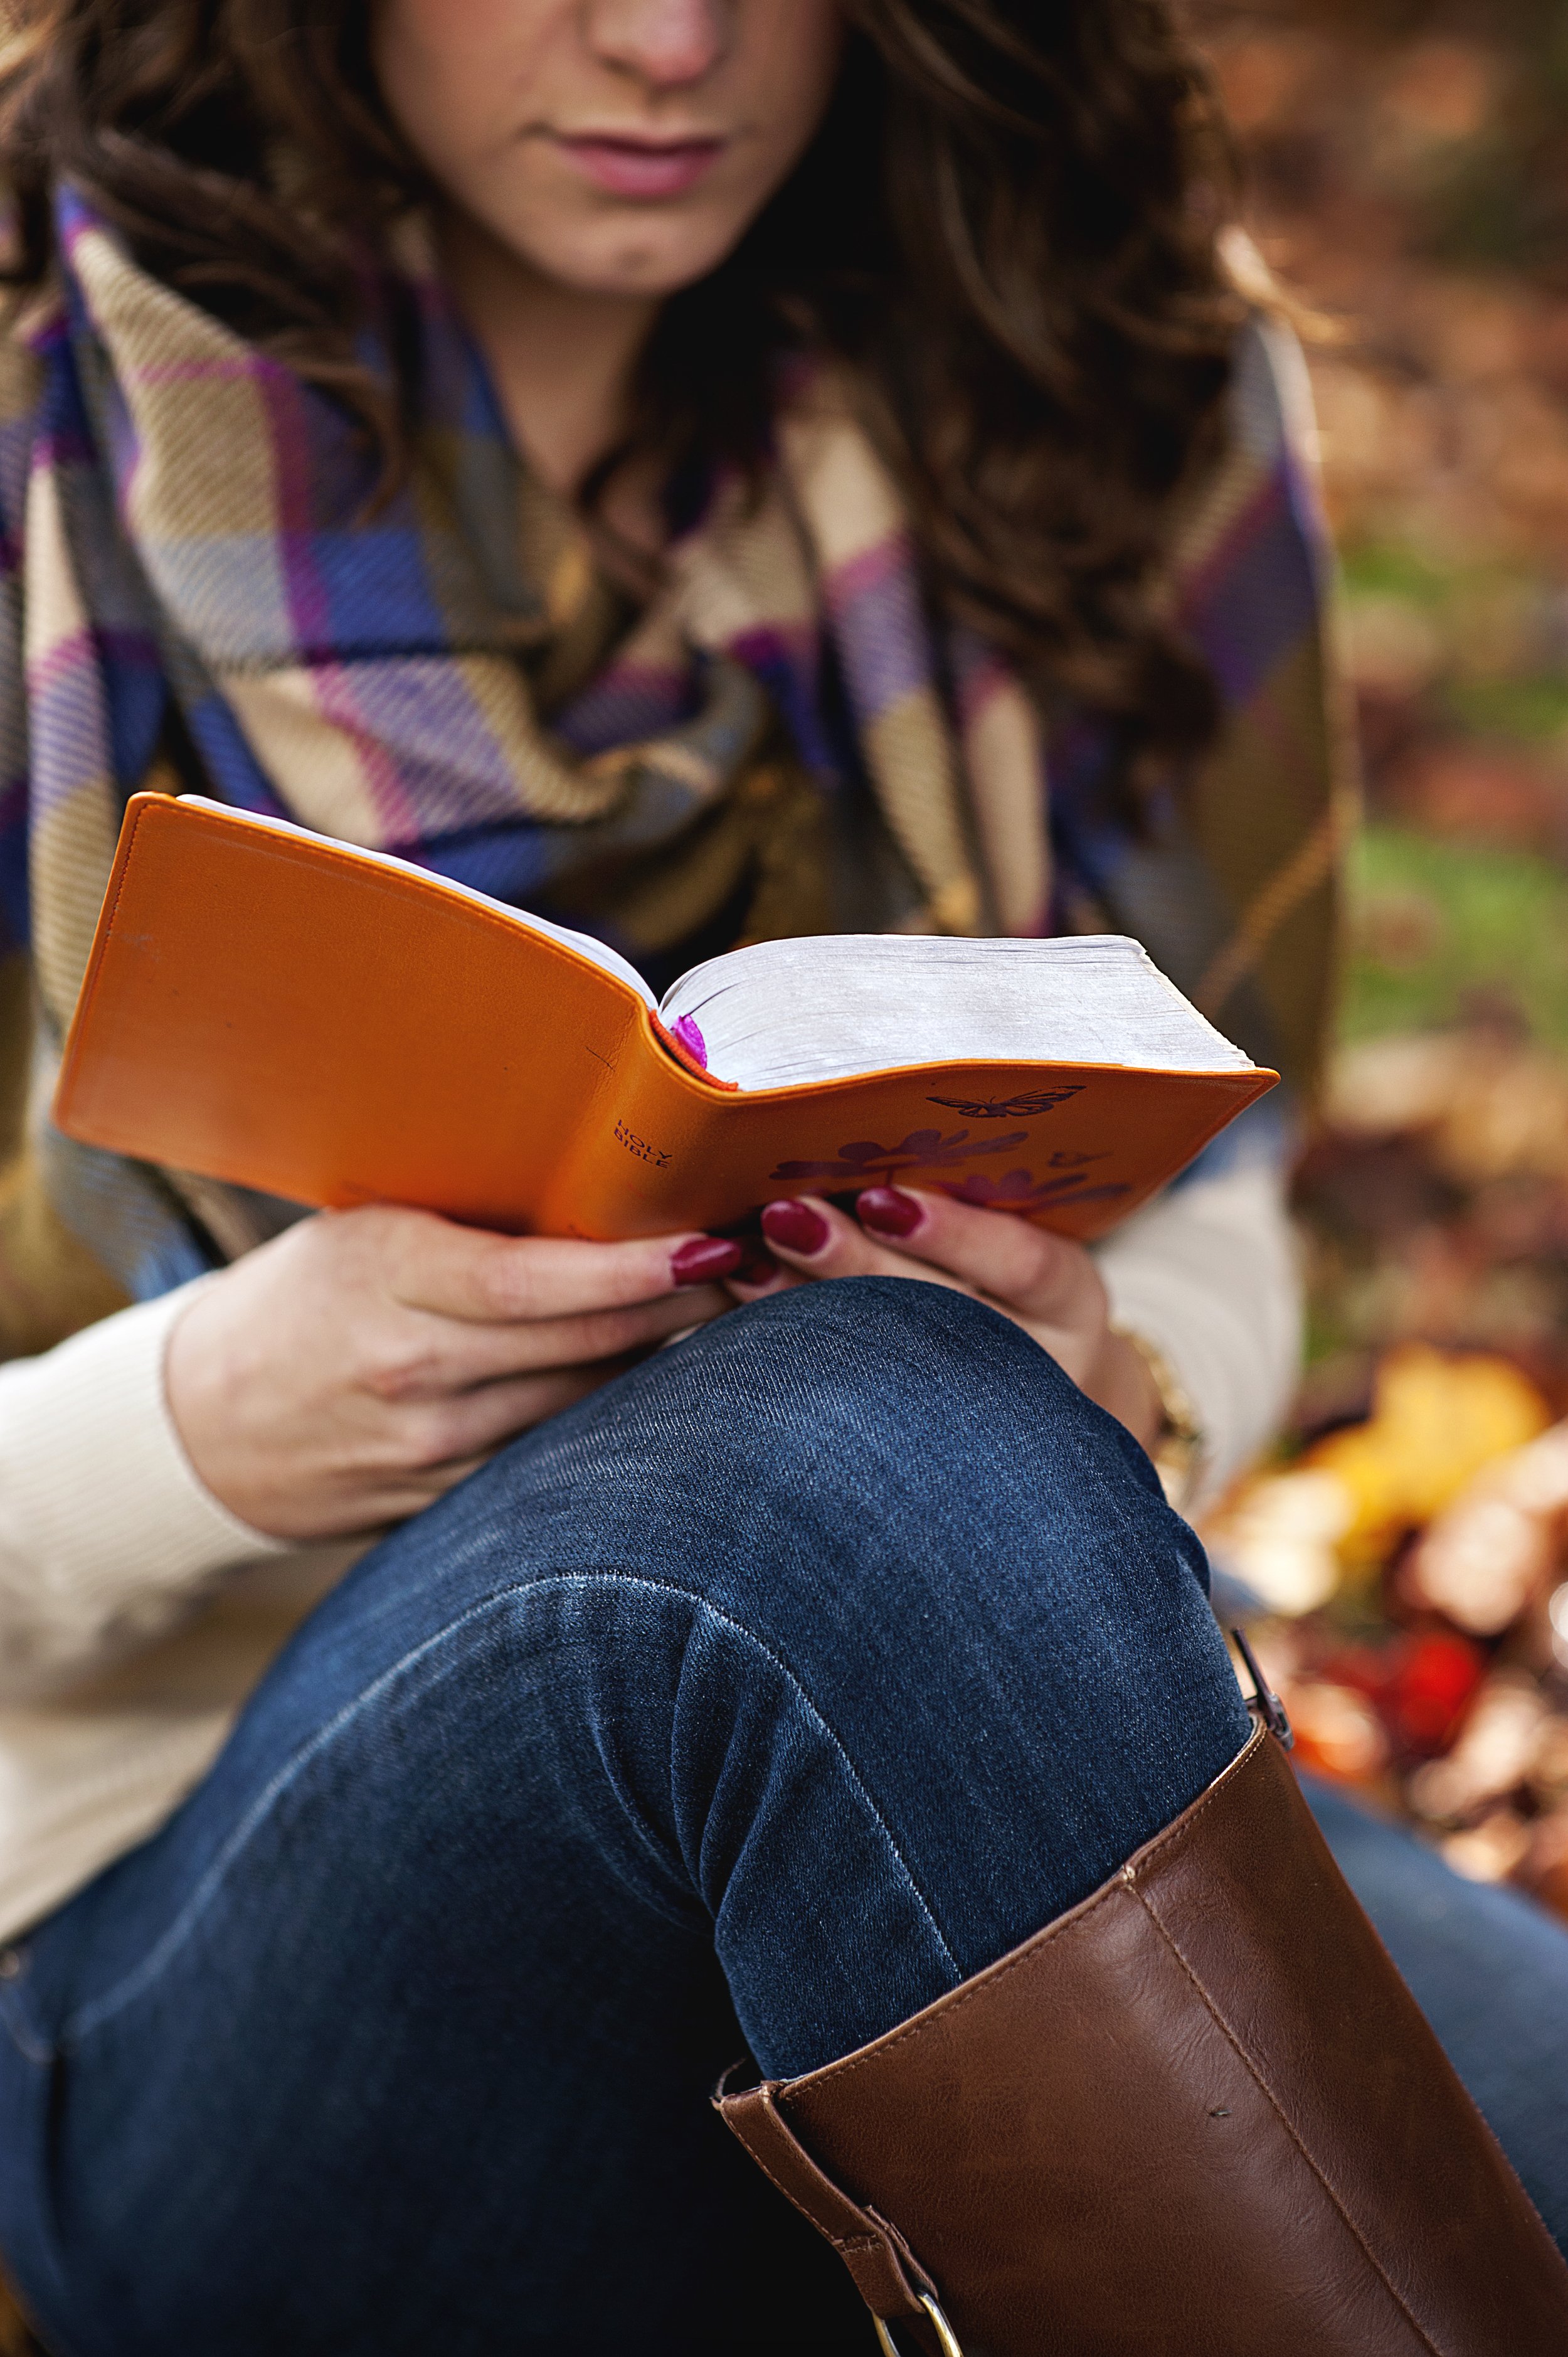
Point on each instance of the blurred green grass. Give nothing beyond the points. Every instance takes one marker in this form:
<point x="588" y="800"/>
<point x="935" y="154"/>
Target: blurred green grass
<point x="1444" y="923"/>
<point x="1479" y="642"/>
<point x="1441" y="925"/>
<point x="1532" y="710"/>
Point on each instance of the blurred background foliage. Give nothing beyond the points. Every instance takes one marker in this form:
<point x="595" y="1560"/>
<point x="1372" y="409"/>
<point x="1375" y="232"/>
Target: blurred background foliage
<point x="1408" y="177"/>
<point x="1404" y="1562"/>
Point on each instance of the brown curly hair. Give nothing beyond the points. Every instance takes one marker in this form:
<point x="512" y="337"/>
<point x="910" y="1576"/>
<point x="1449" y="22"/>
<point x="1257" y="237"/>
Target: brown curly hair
<point x="1008" y="222"/>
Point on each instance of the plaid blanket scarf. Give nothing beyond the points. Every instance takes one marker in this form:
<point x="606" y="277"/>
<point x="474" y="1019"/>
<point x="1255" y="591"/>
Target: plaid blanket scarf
<point x="782" y="741"/>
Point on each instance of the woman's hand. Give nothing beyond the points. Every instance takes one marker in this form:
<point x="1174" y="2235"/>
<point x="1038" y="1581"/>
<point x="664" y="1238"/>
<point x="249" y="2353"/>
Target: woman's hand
<point x="345" y="1374"/>
<point x="1045" y="1284"/>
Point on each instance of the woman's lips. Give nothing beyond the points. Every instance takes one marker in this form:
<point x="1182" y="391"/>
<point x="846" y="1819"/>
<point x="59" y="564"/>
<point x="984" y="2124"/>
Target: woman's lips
<point x="633" y="168"/>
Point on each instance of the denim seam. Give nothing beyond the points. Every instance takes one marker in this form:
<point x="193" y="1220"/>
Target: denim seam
<point x="1063" y="1927"/>
<point x="739" y="1628"/>
<point x="21" y="2034"/>
<point x="80" y="2025"/>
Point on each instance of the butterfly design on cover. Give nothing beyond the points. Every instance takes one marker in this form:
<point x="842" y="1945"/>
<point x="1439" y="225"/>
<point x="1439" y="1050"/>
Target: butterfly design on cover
<point x="1022" y="1108"/>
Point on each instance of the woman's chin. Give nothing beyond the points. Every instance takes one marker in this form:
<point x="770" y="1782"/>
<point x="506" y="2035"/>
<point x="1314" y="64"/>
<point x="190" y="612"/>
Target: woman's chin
<point x="637" y="258"/>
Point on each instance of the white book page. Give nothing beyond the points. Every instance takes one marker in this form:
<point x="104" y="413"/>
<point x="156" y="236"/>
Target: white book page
<point x="828" y="1005"/>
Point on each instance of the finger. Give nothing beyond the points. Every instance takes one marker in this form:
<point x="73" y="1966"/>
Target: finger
<point x="780" y="1280"/>
<point x="759" y="1275"/>
<point x="1043" y="1277"/>
<point x="471" y="1273"/>
<point x="810" y="1236"/>
<point x="473" y="1425"/>
<point x="425" y="1357"/>
<point x="397" y="1501"/>
<point x="432" y="1448"/>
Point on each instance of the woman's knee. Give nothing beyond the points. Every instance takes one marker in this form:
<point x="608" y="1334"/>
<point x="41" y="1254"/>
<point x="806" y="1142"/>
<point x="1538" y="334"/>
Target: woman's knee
<point x="887" y="1388"/>
<point x="899" y="1418"/>
<point x="882" y="1487"/>
<point x="872" y="1455"/>
<point x="941" y="1610"/>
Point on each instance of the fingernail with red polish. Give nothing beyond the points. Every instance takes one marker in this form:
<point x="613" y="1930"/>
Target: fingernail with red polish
<point x="889" y="1212"/>
<point x="757" y="1266"/>
<point x="796" y="1227"/>
<point x="705" y="1259"/>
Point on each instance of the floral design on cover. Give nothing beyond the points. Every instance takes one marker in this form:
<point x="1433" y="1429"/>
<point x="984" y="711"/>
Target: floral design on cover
<point x="862" y="1161"/>
<point x="1020" y="1190"/>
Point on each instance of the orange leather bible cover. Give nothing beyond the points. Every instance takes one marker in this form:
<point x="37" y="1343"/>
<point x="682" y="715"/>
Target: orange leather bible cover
<point x="279" y="1009"/>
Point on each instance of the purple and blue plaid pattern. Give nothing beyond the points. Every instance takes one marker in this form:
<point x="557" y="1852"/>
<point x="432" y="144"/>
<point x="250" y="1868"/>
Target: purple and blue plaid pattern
<point x="185" y="526"/>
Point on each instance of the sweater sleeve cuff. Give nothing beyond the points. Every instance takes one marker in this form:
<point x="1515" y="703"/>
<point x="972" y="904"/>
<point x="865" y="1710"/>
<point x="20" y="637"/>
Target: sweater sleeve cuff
<point x="99" y="1492"/>
<point x="1208" y="1275"/>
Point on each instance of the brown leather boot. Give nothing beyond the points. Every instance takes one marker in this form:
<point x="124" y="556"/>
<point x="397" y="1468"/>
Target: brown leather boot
<point x="1200" y="2115"/>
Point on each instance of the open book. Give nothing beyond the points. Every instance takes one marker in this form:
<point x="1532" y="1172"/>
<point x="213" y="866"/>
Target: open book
<point x="271" y="1006"/>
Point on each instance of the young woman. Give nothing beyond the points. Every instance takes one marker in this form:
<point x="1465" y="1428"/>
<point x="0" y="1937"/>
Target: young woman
<point x="705" y="470"/>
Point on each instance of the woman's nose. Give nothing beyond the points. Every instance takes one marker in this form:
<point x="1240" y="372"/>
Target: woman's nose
<point x="664" y="43"/>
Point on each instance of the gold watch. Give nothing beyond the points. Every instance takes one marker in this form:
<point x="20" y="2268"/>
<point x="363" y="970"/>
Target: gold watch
<point x="1182" y="1444"/>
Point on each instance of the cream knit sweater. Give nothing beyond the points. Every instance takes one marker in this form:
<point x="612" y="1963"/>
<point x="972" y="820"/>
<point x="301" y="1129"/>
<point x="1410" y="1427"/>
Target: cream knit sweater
<point x="136" y="1613"/>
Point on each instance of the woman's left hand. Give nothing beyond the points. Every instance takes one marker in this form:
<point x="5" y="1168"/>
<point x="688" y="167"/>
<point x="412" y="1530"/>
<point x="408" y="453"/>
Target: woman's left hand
<point x="1045" y="1283"/>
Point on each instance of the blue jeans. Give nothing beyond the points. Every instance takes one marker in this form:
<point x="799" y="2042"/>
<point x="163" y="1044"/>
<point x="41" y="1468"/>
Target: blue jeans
<point x="754" y="1703"/>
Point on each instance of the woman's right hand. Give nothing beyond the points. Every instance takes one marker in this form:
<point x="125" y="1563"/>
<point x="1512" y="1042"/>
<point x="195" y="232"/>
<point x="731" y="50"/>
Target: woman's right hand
<point x="342" y="1376"/>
